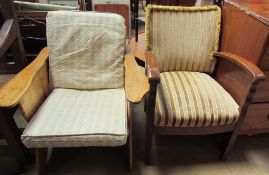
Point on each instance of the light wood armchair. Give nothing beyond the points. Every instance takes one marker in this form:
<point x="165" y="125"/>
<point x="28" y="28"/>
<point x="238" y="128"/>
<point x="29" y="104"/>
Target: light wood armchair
<point x="186" y="98"/>
<point x="34" y="90"/>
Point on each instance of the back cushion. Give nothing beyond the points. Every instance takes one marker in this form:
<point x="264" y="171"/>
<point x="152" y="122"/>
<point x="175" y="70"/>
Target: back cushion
<point x="183" y="38"/>
<point x="85" y="50"/>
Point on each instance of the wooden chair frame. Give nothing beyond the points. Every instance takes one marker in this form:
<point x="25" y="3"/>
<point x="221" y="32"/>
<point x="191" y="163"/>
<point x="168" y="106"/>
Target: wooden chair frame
<point x="10" y="37"/>
<point x="30" y="87"/>
<point x="230" y="70"/>
<point x="228" y="67"/>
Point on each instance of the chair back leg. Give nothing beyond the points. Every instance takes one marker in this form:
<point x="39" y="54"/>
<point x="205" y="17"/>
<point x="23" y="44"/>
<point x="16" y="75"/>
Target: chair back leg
<point x="41" y="160"/>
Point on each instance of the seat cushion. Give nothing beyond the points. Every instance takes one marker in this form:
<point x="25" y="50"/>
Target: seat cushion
<point x="86" y="50"/>
<point x="193" y="99"/>
<point x="73" y="118"/>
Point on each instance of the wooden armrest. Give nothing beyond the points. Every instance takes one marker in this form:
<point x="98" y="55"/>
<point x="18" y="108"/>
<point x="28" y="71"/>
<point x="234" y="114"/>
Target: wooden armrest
<point x="249" y="67"/>
<point x="7" y="35"/>
<point x="152" y="69"/>
<point x="12" y="91"/>
<point x="136" y="83"/>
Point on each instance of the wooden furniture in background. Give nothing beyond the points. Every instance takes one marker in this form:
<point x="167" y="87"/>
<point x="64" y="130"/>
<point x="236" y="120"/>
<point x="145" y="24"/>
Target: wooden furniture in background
<point x="11" y="63"/>
<point x="121" y="9"/>
<point x="245" y="32"/>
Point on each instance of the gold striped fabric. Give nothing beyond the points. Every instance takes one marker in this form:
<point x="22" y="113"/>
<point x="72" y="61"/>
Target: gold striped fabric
<point x="193" y="99"/>
<point x="183" y="38"/>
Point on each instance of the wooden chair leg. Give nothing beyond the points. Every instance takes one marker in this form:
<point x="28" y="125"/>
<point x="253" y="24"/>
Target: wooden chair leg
<point x="11" y="133"/>
<point x="130" y="138"/>
<point x="130" y="150"/>
<point x="41" y="160"/>
<point x="229" y="146"/>
<point x="149" y="137"/>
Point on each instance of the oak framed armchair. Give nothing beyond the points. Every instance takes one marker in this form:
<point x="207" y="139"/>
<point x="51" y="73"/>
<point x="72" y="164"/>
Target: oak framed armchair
<point x="78" y="91"/>
<point x="194" y="89"/>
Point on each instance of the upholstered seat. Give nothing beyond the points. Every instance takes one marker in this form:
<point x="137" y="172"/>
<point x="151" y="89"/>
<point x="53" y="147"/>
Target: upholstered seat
<point x="78" y="91"/>
<point x="193" y="99"/>
<point x="74" y="118"/>
<point x="191" y="83"/>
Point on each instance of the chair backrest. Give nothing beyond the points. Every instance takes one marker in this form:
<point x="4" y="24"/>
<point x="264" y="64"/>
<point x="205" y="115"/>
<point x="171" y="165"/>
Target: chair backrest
<point x="183" y="38"/>
<point x="10" y="38"/>
<point x="86" y="50"/>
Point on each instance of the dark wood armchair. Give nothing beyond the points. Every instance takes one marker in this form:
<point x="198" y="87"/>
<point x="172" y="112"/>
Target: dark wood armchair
<point x="194" y="89"/>
<point x="12" y="60"/>
<point x="10" y="38"/>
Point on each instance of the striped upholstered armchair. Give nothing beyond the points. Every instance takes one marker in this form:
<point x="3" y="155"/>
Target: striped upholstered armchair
<point x="77" y="92"/>
<point x="194" y="89"/>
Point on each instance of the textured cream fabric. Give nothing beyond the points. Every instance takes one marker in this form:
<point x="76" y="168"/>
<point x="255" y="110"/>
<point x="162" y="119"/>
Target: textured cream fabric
<point x="85" y="50"/>
<point x="193" y="99"/>
<point x="74" y="118"/>
<point x="183" y="39"/>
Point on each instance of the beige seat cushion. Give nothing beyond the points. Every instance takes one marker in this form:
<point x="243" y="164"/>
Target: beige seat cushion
<point x="193" y="99"/>
<point x="86" y="50"/>
<point x="73" y="118"/>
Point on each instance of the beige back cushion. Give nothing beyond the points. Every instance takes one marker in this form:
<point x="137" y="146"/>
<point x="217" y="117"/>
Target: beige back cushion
<point x="85" y="50"/>
<point x="183" y="38"/>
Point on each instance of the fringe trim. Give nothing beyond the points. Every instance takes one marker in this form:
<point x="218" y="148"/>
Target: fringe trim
<point x="151" y="8"/>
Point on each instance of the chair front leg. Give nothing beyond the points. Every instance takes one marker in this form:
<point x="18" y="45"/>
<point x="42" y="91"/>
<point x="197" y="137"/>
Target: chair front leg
<point x="242" y="116"/>
<point x="41" y="160"/>
<point x="150" y="108"/>
<point x="130" y="137"/>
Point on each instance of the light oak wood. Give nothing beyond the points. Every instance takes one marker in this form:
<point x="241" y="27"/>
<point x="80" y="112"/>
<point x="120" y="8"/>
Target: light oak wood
<point x="136" y="83"/>
<point x="36" y="93"/>
<point x="12" y="92"/>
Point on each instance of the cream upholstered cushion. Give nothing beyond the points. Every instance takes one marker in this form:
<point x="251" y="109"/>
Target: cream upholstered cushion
<point x="183" y="38"/>
<point x="85" y="50"/>
<point x="193" y="99"/>
<point x="72" y="118"/>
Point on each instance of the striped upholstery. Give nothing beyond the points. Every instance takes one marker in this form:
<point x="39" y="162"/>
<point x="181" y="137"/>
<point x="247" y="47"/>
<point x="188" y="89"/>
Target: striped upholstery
<point x="193" y="99"/>
<point x="74" y="118"/>
<point x="183" y="41"/>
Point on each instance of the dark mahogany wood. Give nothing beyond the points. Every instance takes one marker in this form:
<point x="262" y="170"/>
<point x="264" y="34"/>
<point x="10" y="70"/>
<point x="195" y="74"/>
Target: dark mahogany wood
<point x="10" y="37"/>
<point x="10" y="132"/>
<point x="245" y="32"/>
<point x="120" y="9"/>
<point x="152" y="69"/>
<point x="41" y="160"/>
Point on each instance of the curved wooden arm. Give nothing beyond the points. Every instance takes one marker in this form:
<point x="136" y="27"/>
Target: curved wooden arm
<point x="12" y="91"/>
<point x="152" y="69"/>
<point x="249" y="67"/>
<point x="136" y="83"/>
<point x="7" y="35"/>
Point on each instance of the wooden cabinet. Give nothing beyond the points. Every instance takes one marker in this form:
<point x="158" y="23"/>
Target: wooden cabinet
<point x="245" y="32"/>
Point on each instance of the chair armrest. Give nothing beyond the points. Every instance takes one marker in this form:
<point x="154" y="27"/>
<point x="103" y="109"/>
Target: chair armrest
<point x="136" y="83"/>
<point x="7" y="35"/>
<point x="249" y="67"/>
<point x="12" y="91"/>
<point x="238" y="76"/>
<point x="152" y="69"/>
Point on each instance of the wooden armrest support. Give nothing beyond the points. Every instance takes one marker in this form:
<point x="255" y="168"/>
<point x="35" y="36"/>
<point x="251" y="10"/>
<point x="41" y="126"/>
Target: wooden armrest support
<point x="7" y="35"/>
<point x="152" y="69"/>
<point x="136" y="83"/>
<point x="249" y="67"/>
<point x="12" y="91"/>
